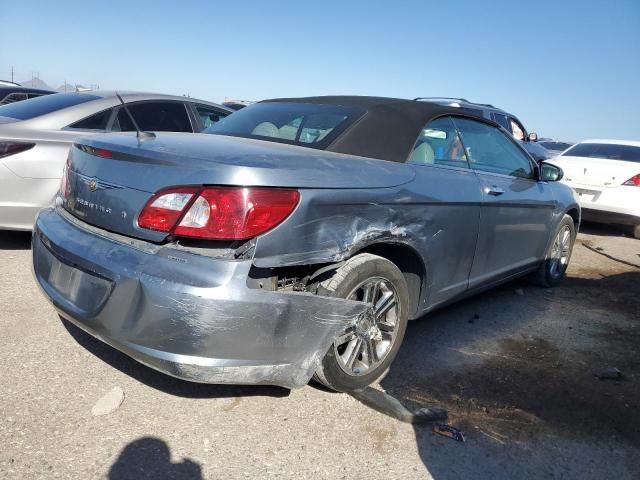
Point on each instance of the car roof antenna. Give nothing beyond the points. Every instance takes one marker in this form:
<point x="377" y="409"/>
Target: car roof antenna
<point x="141" y="135"/>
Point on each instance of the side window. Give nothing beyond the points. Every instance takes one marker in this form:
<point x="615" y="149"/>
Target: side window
<point x="209" y="115"/>
<point x="490" y="150"/>
<point x="34" y="95"/>
<point x="154" y="117"/>
<point x="13" y="97"/>
<point x="94" y="122"/>
<point x="439" y="144"/>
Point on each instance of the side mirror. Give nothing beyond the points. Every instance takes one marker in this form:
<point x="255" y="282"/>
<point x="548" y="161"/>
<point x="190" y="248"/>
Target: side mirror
<point x="533" y="137"/>
<point x="550" y="172"/>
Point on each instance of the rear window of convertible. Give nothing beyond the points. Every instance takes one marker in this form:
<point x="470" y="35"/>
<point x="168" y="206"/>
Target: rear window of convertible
<point x="307" y="124"/>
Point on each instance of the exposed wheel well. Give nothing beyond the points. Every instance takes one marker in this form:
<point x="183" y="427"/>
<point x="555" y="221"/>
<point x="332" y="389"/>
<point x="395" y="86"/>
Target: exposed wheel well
<point x="409" y="263"/>
<point x="575" y="214"/>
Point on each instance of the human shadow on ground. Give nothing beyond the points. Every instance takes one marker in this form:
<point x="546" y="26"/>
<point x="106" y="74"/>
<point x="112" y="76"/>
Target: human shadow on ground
<point x="162" y="382"/>
<point x="150" y="458"/>
<point x="518" y="371"/>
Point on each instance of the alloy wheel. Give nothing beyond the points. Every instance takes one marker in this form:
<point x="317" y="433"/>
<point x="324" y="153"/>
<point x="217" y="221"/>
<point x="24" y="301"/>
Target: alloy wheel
<point x="366" y="344"/>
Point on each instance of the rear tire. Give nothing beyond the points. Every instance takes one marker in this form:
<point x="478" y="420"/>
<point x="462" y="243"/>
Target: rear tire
<point x="552" y="271"/>
<point x="361" y="355"/>
<point x="636" y="231"/>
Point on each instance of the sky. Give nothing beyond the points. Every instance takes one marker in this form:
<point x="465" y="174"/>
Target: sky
<point x="568" y="69"/>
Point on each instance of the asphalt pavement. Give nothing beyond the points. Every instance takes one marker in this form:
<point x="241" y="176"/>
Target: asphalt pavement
<point x="517" y="368"/>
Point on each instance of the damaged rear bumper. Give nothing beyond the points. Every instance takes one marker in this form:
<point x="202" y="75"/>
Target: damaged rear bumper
<point x="182" y="313"/>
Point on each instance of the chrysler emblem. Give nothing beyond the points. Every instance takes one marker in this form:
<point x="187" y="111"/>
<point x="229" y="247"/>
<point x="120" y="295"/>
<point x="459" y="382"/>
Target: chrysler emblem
<point x="93" y="185"/>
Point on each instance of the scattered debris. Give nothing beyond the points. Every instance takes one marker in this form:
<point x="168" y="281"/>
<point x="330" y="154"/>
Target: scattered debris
<point x="519" y="291"/>
<point x="391" y="406"/>
<point x="109" y="402"/>
<point x="609" y="374"/>
<point x="449" y="431"/>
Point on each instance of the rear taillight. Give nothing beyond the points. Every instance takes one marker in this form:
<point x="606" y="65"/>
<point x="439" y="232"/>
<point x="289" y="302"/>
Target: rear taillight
<point x="163" y="211"/>
<point x="218" y="213"/>
<point x="11" y="148"/>
<point x="98" y="152"/>
<point x="633" y="181"/>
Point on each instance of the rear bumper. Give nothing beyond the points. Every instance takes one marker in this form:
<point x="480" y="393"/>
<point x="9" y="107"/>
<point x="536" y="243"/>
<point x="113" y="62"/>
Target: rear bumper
<point x="22" y="198"/>
<point x="610" y="217"/>
<point x="185" y="314"/>
<point x="615" y="205"/>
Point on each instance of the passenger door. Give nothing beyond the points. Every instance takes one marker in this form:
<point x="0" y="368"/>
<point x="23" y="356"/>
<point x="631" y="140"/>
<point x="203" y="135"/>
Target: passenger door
<point x="516" y="209"/>
<point x="450" y="208"/>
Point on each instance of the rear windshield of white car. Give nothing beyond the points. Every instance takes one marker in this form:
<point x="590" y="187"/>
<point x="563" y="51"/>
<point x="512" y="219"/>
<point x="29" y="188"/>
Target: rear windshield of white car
<point x="35" y="107"/>
<point x="306" y="124"/>
<point x="608" y="151"/>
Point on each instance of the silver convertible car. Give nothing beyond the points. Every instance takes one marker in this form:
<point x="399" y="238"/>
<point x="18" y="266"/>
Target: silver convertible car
<point x="297" y="238"/>
<point x="36" y="134"/>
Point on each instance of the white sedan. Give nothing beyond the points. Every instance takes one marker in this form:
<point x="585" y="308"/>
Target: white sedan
<point x="606" y="176"/>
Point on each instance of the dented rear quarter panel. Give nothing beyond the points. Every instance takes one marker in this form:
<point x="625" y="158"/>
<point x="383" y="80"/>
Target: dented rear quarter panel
<point x="436" y="215"/>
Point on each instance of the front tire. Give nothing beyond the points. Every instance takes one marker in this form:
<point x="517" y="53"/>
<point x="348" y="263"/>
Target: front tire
<point x="362" y="354"/>
<point x="552" y="271"/>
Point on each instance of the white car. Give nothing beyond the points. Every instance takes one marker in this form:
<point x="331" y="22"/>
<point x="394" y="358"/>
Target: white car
<point x="606" y="176"/>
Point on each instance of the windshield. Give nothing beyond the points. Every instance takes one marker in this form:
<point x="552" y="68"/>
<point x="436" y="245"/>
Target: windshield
<point x="35" y="107"/>
<point x="307" y="124"/>
<point x="608" y="151"/>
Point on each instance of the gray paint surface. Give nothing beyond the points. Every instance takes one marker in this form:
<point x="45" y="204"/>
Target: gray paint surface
<point x="191" y="315"/>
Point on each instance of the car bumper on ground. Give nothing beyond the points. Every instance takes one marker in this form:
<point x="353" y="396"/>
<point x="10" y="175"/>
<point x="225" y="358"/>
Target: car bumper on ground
<point x="188" y="315"/>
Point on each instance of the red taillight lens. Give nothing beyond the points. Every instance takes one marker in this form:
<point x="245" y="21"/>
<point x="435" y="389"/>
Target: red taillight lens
<point x="98" y="152"/>
<point x="11" y="148"/>
<point x="219" y="213"/>
<point x="164" y="209"/>
<point x="633" y="181"/>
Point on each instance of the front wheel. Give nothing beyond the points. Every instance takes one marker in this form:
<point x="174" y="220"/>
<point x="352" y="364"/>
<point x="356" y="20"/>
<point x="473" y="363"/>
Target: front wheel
<point x="362" y="353"/>
<point x="553" y="269"/>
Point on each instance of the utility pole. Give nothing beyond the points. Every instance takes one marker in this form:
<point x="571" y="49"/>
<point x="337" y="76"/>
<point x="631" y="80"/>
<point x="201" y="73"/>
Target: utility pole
<point x="12" y="73"/>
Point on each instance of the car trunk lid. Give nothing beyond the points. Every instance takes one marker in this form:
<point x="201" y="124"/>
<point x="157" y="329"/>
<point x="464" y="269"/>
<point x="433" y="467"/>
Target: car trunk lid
<point x="110" y="191"/>
<point x="596" y="172"/>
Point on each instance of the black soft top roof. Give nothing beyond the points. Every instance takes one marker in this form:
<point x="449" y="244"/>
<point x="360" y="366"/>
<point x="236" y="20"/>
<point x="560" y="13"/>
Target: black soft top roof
<point x="388" y="129"/>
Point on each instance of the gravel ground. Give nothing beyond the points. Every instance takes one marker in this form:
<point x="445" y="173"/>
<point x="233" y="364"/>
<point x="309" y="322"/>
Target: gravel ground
<point x="515" y="367"/>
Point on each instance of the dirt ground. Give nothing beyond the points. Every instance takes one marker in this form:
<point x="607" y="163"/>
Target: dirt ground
<point x="516" y="367"/>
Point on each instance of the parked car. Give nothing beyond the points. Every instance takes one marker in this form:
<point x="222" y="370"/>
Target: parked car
<point x="35" y="136"/>
<point x="506" y="120"/>
<point x="606" y="176"/>
<point x="296" y="238"/>
<point x="16" y="93"/>
<point x="7" y="83"/>
<point x="554" y="147"/>
<point x="234" y="104"/>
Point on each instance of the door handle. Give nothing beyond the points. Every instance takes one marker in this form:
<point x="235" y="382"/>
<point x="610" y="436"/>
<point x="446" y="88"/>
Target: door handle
<point x="493" y="190"/>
